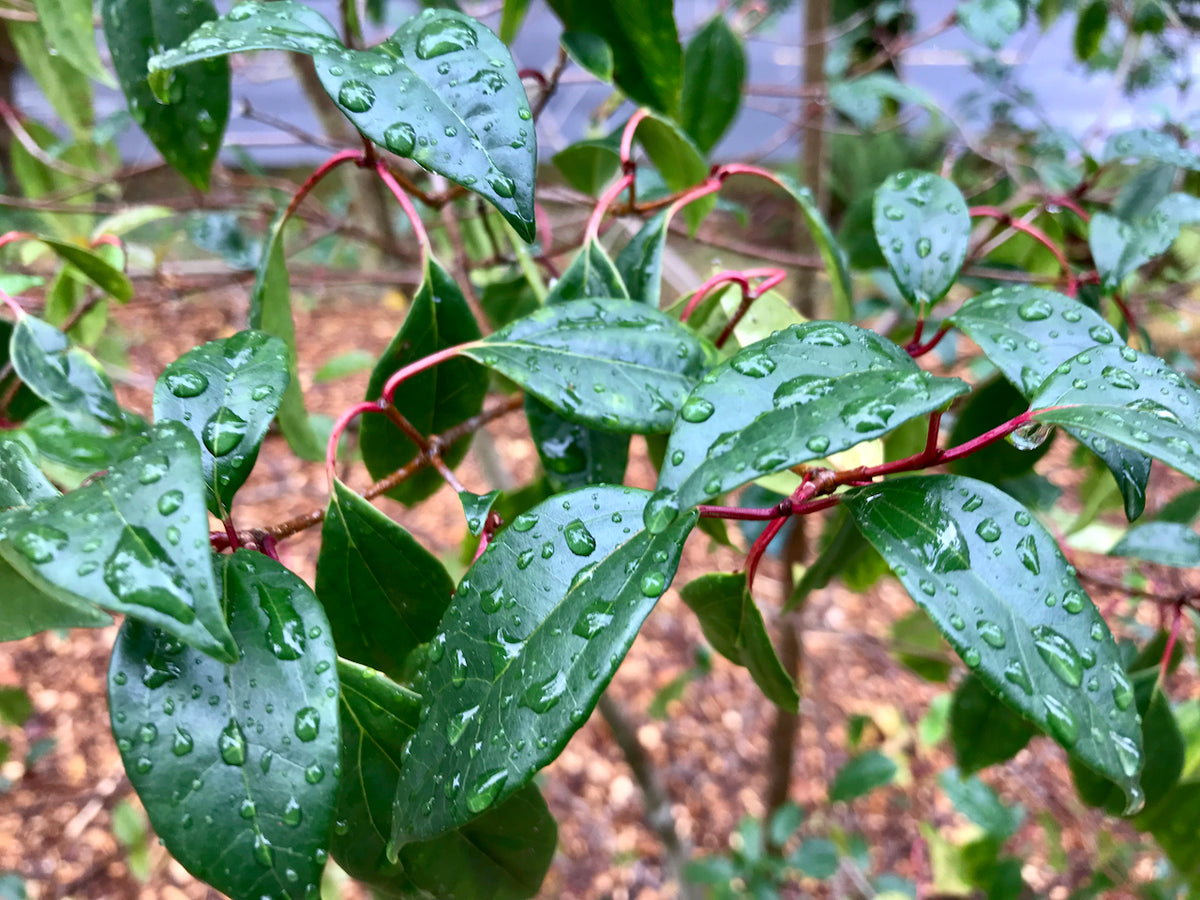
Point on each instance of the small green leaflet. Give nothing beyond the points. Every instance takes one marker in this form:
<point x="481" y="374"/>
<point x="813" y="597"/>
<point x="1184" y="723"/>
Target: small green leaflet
<point x="640" y="261"/>
<point x="804" y="393"/>
<point x="92" y="265"/>
<point x="862" y="100"/>
<point x="1119" y="248"/>
<point x="861" y="775"/>
<point x="62" y="375"/>
<point x="533" y="635"/>
<point x="237" y="766"/>
<point x="714" y="70"/>
<point x="624" y="367"/>
<point x="227" y="391"/>
<point x="678" y="160"/>
<point x="134" y="541"/>
<point x="477" y="508"/>
<point x="922" y="227"/>
<point x="442" y="90"/>
<point x="997" y="586"/>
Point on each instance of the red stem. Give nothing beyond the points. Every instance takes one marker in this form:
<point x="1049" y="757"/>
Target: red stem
<point x="1037" y="234"/>
<point x="12" y="304"/>
<point x="406" y="204"/>
<point x="915" y="350"/>
<point x="416" y="368"/>
<point x="1169" y="649"/>
<point x="9" y="236"/>
<point x="1069" y="203"/>
<point x="231" y="533"/>
<point x="611" y="193"/>
<point x="770" y="278"/>
<point x="1127" y="314"/>
<point x="342" y="156"/>
<point x="631" y="126"/>
<point x="335" y="435"/>
<point x="725" y="276"/>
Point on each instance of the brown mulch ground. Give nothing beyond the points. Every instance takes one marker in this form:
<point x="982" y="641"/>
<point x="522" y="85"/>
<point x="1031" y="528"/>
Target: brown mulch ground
<point x="710" y="751"/>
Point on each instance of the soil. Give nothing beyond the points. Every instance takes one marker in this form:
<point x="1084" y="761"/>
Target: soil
<point x="710" y="751"/>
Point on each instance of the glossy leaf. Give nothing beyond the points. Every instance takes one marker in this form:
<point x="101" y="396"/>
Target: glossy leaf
<point x="533" y="635"/>
<point x="678" y="160"/>
<point x="1175" y="826"/>
<point x="511" y="19"/>
<point x="477" y="508"/>
<point x="383" y="592"/>
<point x="590" y="164"/>
<point x="591" y="52"/>
<point x="641" y="259"/>
<point x="62" y="375"/>
<point x="21" y="482"/>
<point x="591" y="274"/>
<point x="188" y="128"/>
<point x="28" y="610"/>
<point x="432" y="401"/>
<point x="1120" y="248"/>
<point x="732" y="623"/>
<point x="82" y="443"/>
<point x="647" y="60"/>
<point x="71" y="36"/>
<point x="1028" y="332"/>
<point x="922" y="227"/>
<point x="1127" y="397"/>
<point x="271" y="311"/>
<point x="503" y="854"/>
<point x="236" y="765"/>
<point x="227" y="391"/>
<point x="134" y="541"/>
<point x="990" y="22"/>
<point x="975" y="710"/>
<point x="1090" y="28"/>
<point x="714" y="70"/>
<point x="837" y="268"/>
<point x="442" y="90"/>
<point x="805" y="393"/>
<point x="1166" y="543"/>
<point x="626" y="368"/>
<point x="1145" y="144"/>
<point x="93" y="266"/>
<point x="1000" y="591"/>
<point x="861" y="775"/>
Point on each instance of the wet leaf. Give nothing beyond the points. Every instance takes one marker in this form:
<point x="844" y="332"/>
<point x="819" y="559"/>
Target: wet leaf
<point x="610" y="364"/>
<point x="922" y="227"/>
<point x="226" y="392"/>
<point x="71" y="36"/>
<point x="640" y="261"/>
<point x="591" y="274"/>
<point x="189" y="126"/>
<point x="134" y="541"/>
<point x="1166" y="543"/>
<point x="714" y="70"/>
<point x="236" y="765"/>
<point x="81" y="442"/>
<point x="433" y="401"/>
<point x="591" y="52"/>
<point x="590" y="164"/>
<point x="65" y="376"/>
<point x="1145" y="144"/>
<point x="477" y="508"/>
<point x="383" y="592"/>
<point x="1000" y="591"/>
<point x="21" y="482"/>
<point x="804" y="393"/>
<point x="92" y="265"/>
<point x="732" y="623"/>
<point x="678" y="160"/>
<point x="533" y="635"/>
<point x="975" y="710"/>
<point x="1119" y="248"/>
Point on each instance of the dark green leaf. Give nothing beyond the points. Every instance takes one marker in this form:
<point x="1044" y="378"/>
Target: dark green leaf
<point x="28" y="610"/>
<point x="533" y="635"/>
<point x="989" y="405"/>
<point x="433" y="401"/>
<point x="990" y="22"/>
<point x="21" y="482"/>
<point x="80" y="442"/>
<point x="678" y="160"/>
<point x="62" y="375"/>
<point x="574" y="455"/>
<point x="1000" y="591"/>
<point x="591" y="274"/>
<point x="1146" y="144"/>
<point x="1182" y="508"/>
<point x="236" y="765"/>
<point x="977" y="711"/>
<point x="979" y="803"/>
<point x="1028" y="333"/>
<point x="591" y="52"/>
<point x="503" y="854"/>
<point x="134" y="541"/>
<point x="271" y="311"/>
<point x="917" y="644"/>
<point x="626" y="368"/>
<point x="383" y="592"/>
<point x="1166" y="543"/>
<point x="816" y="858"/>
<point x="188" y="128"/>
<point x="922" y="227"/>
<point x="227" y="392"/>
<point x="511" y="19"/>
<point x="1090" y="28"/>
<point x="640" y="261"/>
<point x="802" y="394"/>
<point x="647" y="60"/>
<point x="836" y="266"/>
<point x="714" y="70"/>
<point x="1175" y="825"/>
<point x="784" y="823"/>
<point x="15" y="706"/>
<point x="477" y="507"/>
<point x="590" y="164"/>
<point x="861" y="775"/>
<point x="442" y="90"/>
<point x="732" y="623"/>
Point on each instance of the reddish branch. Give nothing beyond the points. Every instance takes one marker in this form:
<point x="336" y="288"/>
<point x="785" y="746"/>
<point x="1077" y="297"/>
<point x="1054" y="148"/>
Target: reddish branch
<point x="1006" y="219"/>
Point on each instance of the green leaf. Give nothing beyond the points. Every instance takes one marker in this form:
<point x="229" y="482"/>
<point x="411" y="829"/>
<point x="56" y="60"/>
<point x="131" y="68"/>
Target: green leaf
<point x="647" y="60"/>
<point x="383" y="592"/>
<point x="69" y="95"/>
<point x="678" y="160"/>
<point x="990" y="22"/>
<point x="816" y="858"/>
<point x="511" y="19"/>
<point x="271" y="311"/>
<point x="62" y="375"/>
<point x="1183" y="508"/>
<point x="503" y="854"/>
<point x="1090" y="28"/>
<point x="477" y="508"/>
<point x="714" y="70"/>
<point x="15" y="706"/>
<point x="1146" y="144"/>
<point x="433" y="401"/>
<point x="591" y="52"/>
<point x="979" y="803"/>
<point x="591" y="274"/>
<point x="862" y="100"/>
<point x="590" y="164"/>
<point x="21" y="482"/>
<point x="189" y="126"/>
<point x="1108" y="391"/>
<point x="975" y="710"/>
<point x="640" y="261"/>
<point x="1000" y="591"/>
<point x="82" y="443"/>
<point x="134" y="541"/>
<point x="1028" y="333"/>
<point x="227" y="391"/>
<point x="442" y="90"/>
<point x="71" y="36"/>
<point x="1166" y="543"/>
<point x="804" y="393"/>
<point x="1175" y="826"/>
<point x="343" y="365"/>
<point x="732" y="623"/>
<point x="917" y="644"/>
<point x="861" y="775"/>
<point x="629" y="367"/>
<point x="236" y="765"/>
<point x="533" y="635"/>
<point x="1119" y="248"/>
<point x="29" y="610"/>
<point x="836" y="265"/>
<point x="92" y="265"/>
<point x="922" y="227"/>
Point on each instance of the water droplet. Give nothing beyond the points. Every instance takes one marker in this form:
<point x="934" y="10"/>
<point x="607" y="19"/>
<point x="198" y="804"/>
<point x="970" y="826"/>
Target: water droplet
<point x="262" y="392"/>
<point x="1030" y="435"/>
<point x="1059" y="654"/>
<point x="894" y="213"/>
<point x="957" y="622"/>
<point x="143" y="765"/>
<point x="458" y="724"/>
<point x="458" y="668"/>
<point x="924" y="247"/>
<point x="661" y="510"/>
<point x="170" y="502"/>
<point x="1022" y="518"/>
<point x="595" y="616"/>
<point x="818" y="443"/>
<point x="262" y="850"/>
<point x="445" y="36"/>
<point x="223" y="431"/>
<point x="524" y="558"/>
<point x="771" y="460"/>
<point x="1060" y="721"/>
<point x="548" y="550"/>
<point x="307" y="724"/>
<point x="524" y="521"/>
<point x="927" y="587"/>
<point x="1101" y="334"/>
<point x="1035" y="310"/>
<point x="1027" y="552"/>
<point x="314" y="773"/>
<point x="754" y="364"/>
<point x="186" y="383"/>
<point x="991" y="634"/>
<point x="502" y="185"/>
<point x="971" y="657"/>
<point x="1074" y="602"/>
<point x="356" y="96"/>
<point x="292" y="813"/>
<point x="400" y="138"/>
<point x="485" y="790"/>
<point x="653" y="584"/>
<point x="232" y="744"/>
<point x="696" y="409"/>
<point x="802" y="389"/>
<point x="1015" y="673"/>
<point x="140" y="573"/>
<point x="867" y="414"/>
<point x="1119" y="378"/>
<point x="579" y="539"/>
<point x="544" y="695"/>
<point x="988" y="530"/>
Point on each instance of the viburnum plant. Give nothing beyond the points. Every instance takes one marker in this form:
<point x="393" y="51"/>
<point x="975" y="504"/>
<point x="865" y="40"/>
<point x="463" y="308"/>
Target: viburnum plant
<point x="394" y="720"/>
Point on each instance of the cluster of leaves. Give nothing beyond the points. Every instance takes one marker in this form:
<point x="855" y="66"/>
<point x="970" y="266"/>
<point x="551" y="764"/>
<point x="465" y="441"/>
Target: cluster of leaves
<point x="395" y="720"/>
